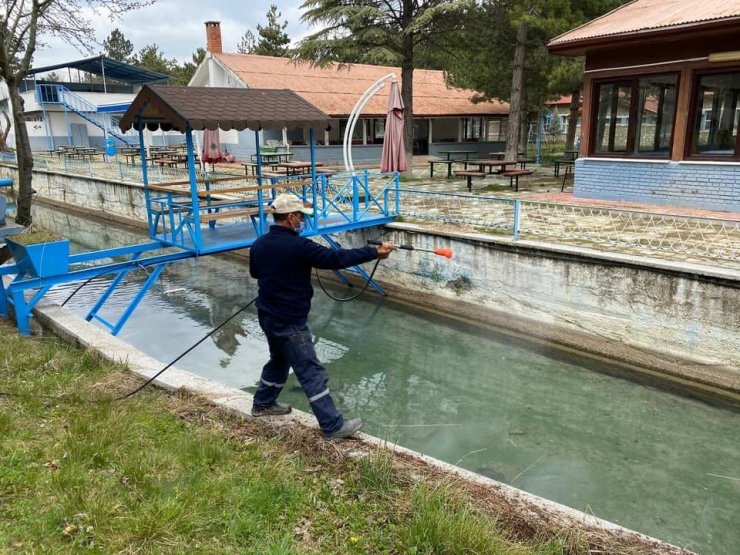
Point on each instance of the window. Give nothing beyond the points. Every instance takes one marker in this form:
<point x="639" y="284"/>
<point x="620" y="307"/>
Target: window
<point x="472" y="128"/>
<point x="497" y="129"/>
<point x="634" y="117"/>
<point x="33" y="116"/>
<point x="716" y="115"/>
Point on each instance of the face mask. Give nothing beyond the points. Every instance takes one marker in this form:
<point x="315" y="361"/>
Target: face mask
<point x="301" y="226"/>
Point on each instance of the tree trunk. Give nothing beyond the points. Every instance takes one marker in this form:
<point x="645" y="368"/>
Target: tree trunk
<point x="407" y="94"/>
<point x="517" y="94"/>
<point x="575" y="104"/>
<point x="4" y="132"/>
<point x="23" y="153"/>
<point x="524" y="130"/>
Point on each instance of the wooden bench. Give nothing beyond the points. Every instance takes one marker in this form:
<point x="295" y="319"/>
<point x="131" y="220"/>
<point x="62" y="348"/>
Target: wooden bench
<point x="469" y="174"/>
<point x="214" y="216"/>
<point x="449" y="167"/>
<point x="514" y="175"/>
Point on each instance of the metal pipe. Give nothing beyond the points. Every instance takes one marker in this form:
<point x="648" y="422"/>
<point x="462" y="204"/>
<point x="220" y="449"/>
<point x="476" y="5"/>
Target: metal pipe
<point x="359" y="105"/>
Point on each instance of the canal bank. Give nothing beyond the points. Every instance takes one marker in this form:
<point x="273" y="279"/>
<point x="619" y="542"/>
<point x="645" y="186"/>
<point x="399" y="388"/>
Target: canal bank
<point x="671" y="320"/>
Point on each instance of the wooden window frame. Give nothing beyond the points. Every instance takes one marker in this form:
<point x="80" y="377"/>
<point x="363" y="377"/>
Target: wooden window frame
<point x="697" y="74"/>
<point x="634" y="81"/>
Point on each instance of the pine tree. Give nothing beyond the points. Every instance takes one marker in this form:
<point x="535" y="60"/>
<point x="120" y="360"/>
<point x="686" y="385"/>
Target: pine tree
<point x="503" y="54"/>
<point x="116" y="46"/>
<point x="273" y="40"/>
<point x="247" y="43"/>
<point x="380" y="32"/>
<point x="152" y="58"/>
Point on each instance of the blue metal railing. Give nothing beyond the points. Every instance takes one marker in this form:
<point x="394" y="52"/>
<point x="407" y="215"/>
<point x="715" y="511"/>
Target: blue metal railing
<point x="59" y="94"/>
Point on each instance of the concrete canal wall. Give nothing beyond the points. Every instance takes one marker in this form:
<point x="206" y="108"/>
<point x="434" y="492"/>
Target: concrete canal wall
<point x="667" y="318"/>
<point x="676" y="319"/>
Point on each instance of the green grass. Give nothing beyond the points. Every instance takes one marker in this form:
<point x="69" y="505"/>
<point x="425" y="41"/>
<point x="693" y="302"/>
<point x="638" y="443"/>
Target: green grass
<point x="167" y="473"/>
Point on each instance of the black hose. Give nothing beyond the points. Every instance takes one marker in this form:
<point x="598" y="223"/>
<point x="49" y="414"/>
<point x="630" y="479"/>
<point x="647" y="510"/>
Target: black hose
<point x="353" y="297"/>
<point x="201" y="340"/>
<point x="150" y="380"/>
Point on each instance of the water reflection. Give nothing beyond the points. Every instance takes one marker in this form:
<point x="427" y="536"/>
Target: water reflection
<point x="547" y="422"/>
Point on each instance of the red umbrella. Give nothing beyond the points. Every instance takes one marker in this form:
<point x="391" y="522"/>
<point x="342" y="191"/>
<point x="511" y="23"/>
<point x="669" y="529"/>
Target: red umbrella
<point x="211" y="147"/>
<point x="394" y="153"/>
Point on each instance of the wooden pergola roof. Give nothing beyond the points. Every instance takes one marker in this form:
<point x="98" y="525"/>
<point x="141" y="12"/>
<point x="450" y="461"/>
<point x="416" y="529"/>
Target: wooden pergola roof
<point x="220" y="108"/>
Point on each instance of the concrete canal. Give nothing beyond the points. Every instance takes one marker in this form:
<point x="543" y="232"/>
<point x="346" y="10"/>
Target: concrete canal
<point x="574" y="429"/>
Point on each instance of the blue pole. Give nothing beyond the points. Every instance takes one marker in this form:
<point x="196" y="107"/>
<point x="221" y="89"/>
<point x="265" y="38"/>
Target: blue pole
<point x="260" y="197"/>
<point x="311" y="139"/>
<point x="193" y="188"/>
<point x="313" y="156"/>
<point x="517" y="212"/>
<point x="145" y="177"/>
<point x="540" y="131"/>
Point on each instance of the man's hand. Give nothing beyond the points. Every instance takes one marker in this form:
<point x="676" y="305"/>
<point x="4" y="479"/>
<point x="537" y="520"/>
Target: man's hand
<point x="385" y="249"/>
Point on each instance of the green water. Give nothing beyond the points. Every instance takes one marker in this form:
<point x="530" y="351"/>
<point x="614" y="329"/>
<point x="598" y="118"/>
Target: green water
<point x="554" y="424"/>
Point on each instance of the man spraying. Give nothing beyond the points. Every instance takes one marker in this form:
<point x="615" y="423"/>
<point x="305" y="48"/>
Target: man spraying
<point x="281" y="261"/>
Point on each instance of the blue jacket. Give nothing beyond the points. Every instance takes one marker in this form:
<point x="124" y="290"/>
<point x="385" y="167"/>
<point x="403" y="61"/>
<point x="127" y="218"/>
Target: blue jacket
<point x="281" y="261"/>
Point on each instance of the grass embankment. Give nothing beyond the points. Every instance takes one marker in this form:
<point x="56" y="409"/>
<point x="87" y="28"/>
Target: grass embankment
<point x="163" y="473"/>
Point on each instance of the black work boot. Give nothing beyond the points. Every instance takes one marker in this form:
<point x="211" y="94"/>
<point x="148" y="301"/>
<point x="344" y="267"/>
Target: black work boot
<point x="278" y="409"/>
<point x="348" y="429"/>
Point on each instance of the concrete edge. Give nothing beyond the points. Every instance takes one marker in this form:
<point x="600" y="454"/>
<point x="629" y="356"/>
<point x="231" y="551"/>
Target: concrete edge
<point x="74" y="329"/>
<point x="584" y="254"/>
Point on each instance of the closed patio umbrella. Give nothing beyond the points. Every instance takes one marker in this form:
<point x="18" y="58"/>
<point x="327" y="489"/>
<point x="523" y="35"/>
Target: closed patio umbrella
<point x="393" y="158"/>
<point x="211" y="147"/>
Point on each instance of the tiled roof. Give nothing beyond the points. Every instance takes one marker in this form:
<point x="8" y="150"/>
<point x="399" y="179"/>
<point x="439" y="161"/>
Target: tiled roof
<point x="225" y="108"/>
<point x="648" y="15"/>
<point x="335" y="90"/>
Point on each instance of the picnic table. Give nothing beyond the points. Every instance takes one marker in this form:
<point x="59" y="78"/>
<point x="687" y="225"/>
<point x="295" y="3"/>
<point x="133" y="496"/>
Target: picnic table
<point x="273" y="158"/>
<point x="297" y="168"/>
<point x="467" y="153"/>
<point x="171" y="160"/>
<point x="131" y="154"/>
<point x="490" y="164"/>
<point x="497" y="155"/>
<point x="447" y="162"/>
<point x="523" y="161"/>
<point x="81" y="152"/>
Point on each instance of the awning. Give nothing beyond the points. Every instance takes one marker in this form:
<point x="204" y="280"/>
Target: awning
<point x="221" y="108"/>
<point x="112" y="69"/>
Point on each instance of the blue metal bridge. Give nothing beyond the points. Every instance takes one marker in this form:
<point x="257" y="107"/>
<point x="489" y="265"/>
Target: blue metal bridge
<point x="208" y="214"/>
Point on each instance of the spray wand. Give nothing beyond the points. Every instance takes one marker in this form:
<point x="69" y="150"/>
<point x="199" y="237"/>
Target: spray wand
<point x="447" y="253"/>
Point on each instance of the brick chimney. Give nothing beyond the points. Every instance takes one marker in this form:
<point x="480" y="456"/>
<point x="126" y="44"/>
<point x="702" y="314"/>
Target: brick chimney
<point x="213" y="37"/>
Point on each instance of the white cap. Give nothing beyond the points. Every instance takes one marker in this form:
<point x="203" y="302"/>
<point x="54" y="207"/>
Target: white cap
<point x="287" y="203"/>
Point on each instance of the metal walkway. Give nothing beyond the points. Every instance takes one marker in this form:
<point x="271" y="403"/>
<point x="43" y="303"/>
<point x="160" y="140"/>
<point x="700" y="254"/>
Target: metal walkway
<point x="204" y="215"/>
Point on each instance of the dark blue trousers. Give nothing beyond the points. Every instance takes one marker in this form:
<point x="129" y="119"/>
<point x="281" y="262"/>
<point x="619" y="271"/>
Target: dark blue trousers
<point x="291" y="346"/>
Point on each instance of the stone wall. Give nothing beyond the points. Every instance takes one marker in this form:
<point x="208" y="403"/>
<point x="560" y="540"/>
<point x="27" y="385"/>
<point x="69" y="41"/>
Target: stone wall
<point x="119" y="201"/>
<point x="706" y="185"/>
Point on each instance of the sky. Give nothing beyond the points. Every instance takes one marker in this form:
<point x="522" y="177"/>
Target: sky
<point x="177" y="27"/>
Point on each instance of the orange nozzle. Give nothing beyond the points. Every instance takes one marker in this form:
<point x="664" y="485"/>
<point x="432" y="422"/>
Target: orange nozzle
<point x="447" y="253"/>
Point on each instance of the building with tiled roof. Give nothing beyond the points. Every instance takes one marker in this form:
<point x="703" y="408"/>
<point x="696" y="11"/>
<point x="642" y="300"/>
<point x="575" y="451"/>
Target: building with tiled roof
<point x="443" y="116"/>
<point x="660" y="103"/>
